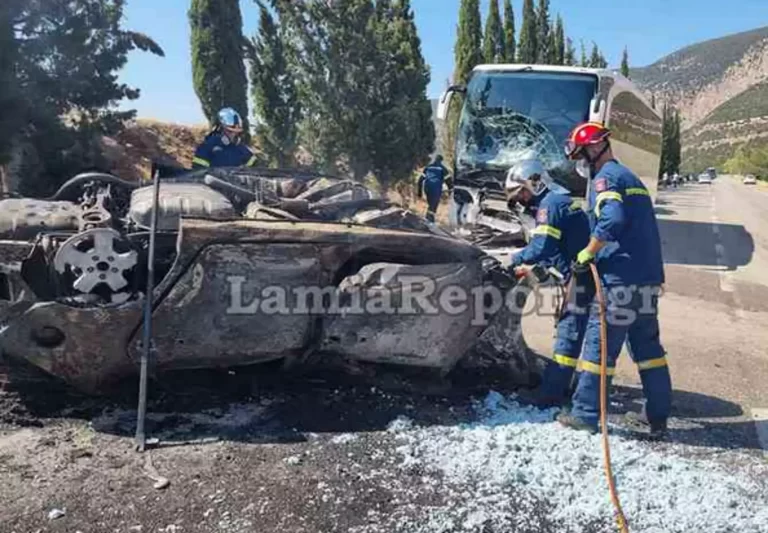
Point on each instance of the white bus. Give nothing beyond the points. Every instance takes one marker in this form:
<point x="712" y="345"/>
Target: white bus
<point x="511" y="112"/>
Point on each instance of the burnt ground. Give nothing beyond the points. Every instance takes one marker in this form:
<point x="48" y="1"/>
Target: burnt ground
<point x="244" y="450"/>
<point x="248" y="449"/>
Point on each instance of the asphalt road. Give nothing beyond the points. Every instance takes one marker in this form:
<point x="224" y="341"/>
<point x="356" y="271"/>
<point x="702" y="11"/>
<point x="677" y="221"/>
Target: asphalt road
<point x="714" y="314"/>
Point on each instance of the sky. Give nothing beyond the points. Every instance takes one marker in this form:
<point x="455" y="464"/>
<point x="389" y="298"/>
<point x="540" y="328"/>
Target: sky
<point x="650" y="29"/>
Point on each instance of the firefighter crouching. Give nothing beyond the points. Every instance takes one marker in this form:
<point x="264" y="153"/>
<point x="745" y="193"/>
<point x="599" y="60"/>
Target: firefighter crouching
<point x="626" y="248"/>
<point x="561" y="231"/>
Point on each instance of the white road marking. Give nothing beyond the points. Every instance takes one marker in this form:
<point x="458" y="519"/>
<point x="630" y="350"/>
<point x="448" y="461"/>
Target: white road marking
<point x="726" y="285"/>
<point x="720" y="251"/>
<point x="726" y="281"/>
<point x="760" y="418"/>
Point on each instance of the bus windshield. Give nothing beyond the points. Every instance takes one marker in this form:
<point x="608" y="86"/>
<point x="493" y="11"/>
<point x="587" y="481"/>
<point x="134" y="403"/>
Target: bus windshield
<point x="509" y="116"/>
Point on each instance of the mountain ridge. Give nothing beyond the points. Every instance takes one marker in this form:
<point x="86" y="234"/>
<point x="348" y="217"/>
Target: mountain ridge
<point x="700" y="77"/>
<point x="720" y="87"/>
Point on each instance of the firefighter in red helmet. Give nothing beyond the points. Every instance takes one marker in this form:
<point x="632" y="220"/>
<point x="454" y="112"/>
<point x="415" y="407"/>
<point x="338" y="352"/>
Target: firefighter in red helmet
<point x="626" y="248"/>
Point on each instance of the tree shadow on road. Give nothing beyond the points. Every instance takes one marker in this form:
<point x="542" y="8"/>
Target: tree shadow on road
<point x="697" y="420"/>
<point x="696" y="243"/>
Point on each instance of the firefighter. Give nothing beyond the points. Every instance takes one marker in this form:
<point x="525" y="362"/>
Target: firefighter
<point x="625" y="247"/>
<point x="431" y="181"/>
<point x="223" y="147"/>
<point x="562" y="229"/>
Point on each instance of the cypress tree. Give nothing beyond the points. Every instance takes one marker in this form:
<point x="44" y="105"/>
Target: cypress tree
<point x="676" y="144"/>
<point x="559" y="43"/>
<point x="653" y="101"/>
<point x="467" y="54"/>
<point x="275" y="96"/>
<point x="594" y="59"/>
<point x="218" y="62"/>
<point x="338" y="67"/>
<point x="552" y="47"/>
<point x="468" y="42"/>
<point x="11" y="117"/>
<point x="544" y="52"/>
<point x="584" y="61"/>
<point x="670" y="144"/>
<point x="509" y="32"/>
<point x="602" y="63"/>
<point x="664" y="141"/>
<point x="402" y="132"/>
<point x="527" y="49"/>
<point x="625" y="63"/>
<point x="570" y="53"/>
<point x="493" y="45"/>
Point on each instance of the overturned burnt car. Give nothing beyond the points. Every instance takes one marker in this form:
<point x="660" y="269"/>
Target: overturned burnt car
<point x="251" y="265"/>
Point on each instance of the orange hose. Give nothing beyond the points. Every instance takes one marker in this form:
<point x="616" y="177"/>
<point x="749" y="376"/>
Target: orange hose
<point x="620" y="518"/>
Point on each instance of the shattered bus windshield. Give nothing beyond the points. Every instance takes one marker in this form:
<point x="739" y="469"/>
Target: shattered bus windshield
<point x="510" y="116"/>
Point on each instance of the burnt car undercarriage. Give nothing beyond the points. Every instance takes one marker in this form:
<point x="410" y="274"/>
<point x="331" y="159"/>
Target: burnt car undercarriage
<point x="236" y="249"/>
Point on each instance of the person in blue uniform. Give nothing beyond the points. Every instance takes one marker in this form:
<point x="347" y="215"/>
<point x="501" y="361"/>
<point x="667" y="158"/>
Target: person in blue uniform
<point x="626" y="248"/>
<point x="223" y="147"/>
<point x="561" y="231"/>
<point x="431" y="183"/>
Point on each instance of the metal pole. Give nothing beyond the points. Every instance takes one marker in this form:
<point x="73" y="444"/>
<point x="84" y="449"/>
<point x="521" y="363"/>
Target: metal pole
<point x="141" y="438"/>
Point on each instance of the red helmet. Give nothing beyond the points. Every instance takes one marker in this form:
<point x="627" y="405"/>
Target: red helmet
<point x="584" y="135"/>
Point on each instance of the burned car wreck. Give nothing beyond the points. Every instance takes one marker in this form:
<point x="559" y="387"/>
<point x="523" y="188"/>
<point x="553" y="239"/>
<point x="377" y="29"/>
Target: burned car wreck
<point x="251" y="265"/>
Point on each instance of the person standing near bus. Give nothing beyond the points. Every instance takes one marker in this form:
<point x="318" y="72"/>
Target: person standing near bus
<point x="431" y="182"/>
<point x="625" y="246"/>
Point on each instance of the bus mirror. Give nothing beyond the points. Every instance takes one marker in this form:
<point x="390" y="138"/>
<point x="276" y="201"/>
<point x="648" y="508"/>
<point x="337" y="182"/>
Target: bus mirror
<point x="597" y="110"/>
<point x="442" y="105"/>
<point x="445" y="101"/>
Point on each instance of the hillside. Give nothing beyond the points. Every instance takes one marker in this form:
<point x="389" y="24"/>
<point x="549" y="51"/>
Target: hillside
<point x="721" y="89"/>
<point x="701" y="77"/>
<point x="739" y="121"/>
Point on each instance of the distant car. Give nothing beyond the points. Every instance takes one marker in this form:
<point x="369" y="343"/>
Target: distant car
<point x="750" y="180"/>
<point x="704" y="178"/>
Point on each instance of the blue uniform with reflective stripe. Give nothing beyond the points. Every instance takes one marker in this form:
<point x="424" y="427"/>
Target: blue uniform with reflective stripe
<point x="631" y="268"/>
<point x="432" y="180"/>
<point x="562" y="230"/>
<point x="621" y="214"/>
<point x="215" y="152"/>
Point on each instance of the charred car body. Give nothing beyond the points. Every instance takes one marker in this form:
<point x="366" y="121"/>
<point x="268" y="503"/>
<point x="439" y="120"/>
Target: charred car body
<point x="249" y="263"/>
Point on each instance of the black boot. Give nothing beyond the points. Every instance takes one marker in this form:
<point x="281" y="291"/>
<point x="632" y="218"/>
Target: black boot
<point x="658" y="431"/>
<point x="572" y="422"/>
<point x="655" y="431"/>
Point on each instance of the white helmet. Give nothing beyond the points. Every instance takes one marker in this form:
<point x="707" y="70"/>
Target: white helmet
<point x="529" y="173"/>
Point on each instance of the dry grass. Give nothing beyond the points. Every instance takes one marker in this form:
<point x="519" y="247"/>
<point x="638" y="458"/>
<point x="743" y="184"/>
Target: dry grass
<point x="405" y="195"/>
<point x="143" y="141"/>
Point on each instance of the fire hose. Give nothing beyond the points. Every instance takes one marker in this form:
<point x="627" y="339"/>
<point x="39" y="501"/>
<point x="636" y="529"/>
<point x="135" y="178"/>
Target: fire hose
<point x="541" y="275"/>
<point x="620" y="518"/>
